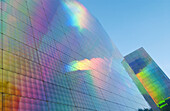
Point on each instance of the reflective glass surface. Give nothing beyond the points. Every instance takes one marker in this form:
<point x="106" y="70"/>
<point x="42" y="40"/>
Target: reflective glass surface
<point x="153" y="79"/>
<point x="54" y="55"/>
<point x="140" y="86"/>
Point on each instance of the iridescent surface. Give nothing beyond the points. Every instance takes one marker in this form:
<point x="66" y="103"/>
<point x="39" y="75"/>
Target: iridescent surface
<point x="55" y="56"/>
<point x="140" y="86"/>
<point x="154" y="80"/>
<point x="78" y="15"/>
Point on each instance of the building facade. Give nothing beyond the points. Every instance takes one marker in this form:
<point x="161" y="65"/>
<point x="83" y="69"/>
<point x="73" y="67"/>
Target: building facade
<point x="55" y="56"/>
<point x="140" y="86"/>
<point x="153" y="79"/>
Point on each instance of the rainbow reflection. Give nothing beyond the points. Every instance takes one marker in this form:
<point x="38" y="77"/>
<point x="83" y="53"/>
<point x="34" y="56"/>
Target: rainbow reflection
<point x="147" y="78"/>
<point x="78" y="14"/>
<point x="78" y="65"/>
<point x="92" y="64"/>
<point x="149" y="74"/>
<point x="92" y="69"/>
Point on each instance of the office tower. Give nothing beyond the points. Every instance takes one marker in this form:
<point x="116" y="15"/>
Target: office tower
<point x="55" y="56"/>
<point x="153" y="79"/>
<point x="140" y="86"/>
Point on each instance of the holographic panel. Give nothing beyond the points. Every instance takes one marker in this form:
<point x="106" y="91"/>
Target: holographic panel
<point x="1" y="82"/>
<point x="150" y="75"/>
<point x="140" y="86"/>
<point x="0" y="101"/>
<point x="78" y="14"/>
<point x="61" y="107"/>
<point x="58" y="94"/>
<point x="0" y="59"/>
<point x="20" y="85"/>
<point x="54" y="55"/>
<point x="17" y="103"/>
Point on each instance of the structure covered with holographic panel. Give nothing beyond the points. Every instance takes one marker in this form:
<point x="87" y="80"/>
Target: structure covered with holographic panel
<point x="154" y="80"/>
<point x="55" y="56"/>
<point x="140" y="86"/>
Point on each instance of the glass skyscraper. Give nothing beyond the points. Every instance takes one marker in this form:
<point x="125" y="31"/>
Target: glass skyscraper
<point x="55" y="56"/>
<point x="153" y="79"/>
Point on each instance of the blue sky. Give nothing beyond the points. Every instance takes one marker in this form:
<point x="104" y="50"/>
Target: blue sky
<point x="132" y="24"/>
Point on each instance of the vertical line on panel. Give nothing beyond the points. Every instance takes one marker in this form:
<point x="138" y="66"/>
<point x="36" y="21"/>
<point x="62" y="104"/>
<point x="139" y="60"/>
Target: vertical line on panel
<point x="71" y="92"/>
<point x="2" y="51"/>
<point x="39" y="60"/>
<point x="2" y="34"/>
<point x="2" y="101"/>
<point x="104" y="98"/>
<point x="90" y="95"/>
<point x="37" y="55"/>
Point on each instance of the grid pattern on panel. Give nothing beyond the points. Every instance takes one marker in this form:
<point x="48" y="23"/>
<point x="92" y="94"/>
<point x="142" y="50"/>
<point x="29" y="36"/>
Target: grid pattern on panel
<point x="58" y="94"/>
<point x="60" y="107"/>
<point x="55" y="56"/>
<point x="149" y="74"/>
<point x="23" y="104"/>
